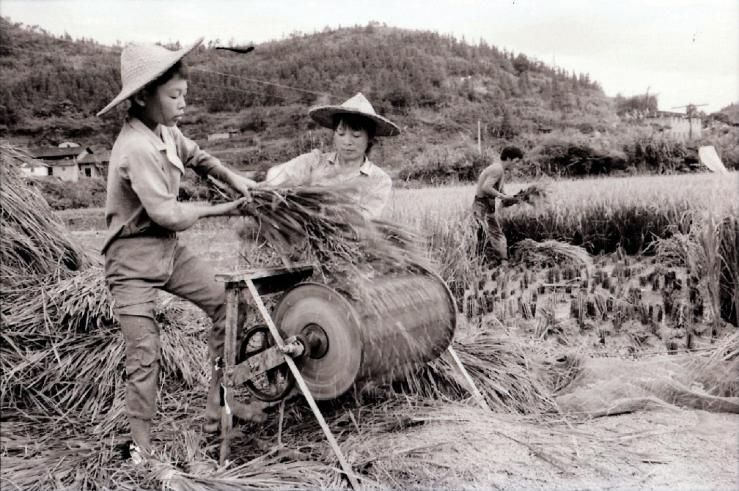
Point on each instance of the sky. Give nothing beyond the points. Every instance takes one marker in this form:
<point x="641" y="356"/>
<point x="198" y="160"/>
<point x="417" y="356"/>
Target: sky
<point x="685" y="51"/>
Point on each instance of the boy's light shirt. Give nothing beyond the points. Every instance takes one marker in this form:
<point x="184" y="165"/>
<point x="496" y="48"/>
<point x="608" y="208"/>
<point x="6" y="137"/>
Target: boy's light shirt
<point x="323" y="169"/>
<point x="144" y="178"/>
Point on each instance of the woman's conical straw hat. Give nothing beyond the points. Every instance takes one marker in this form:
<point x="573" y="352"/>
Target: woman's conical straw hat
<point x="324" y="115"/>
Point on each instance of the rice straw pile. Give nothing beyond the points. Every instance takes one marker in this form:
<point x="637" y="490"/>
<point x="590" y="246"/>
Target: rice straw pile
<point x="60" y="348"/>
<point x="34" y="243"/>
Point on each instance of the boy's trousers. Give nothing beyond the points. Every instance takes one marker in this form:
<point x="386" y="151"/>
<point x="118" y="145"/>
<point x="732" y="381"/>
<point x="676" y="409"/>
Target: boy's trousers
<point x="135" y="267"/>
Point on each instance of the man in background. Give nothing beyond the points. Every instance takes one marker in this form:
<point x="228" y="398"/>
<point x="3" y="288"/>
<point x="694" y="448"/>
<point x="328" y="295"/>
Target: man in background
<point x="491" y="241"/>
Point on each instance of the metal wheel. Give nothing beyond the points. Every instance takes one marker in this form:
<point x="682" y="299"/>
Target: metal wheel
<point x="274" y="384"/>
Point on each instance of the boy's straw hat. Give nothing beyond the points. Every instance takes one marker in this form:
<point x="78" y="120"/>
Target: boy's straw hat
<point x="324" y="115"/>
<point x="143" y="63"/>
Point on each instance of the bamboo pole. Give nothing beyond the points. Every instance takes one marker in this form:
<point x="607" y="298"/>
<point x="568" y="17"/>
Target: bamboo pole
<point x="473" y="388"/>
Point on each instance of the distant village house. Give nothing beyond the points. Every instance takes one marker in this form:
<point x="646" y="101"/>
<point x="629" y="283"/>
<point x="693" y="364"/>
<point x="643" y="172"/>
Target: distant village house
<point x="223" y="135"/>
<point x="677" y="125"/>
<point x="69" y="162"/>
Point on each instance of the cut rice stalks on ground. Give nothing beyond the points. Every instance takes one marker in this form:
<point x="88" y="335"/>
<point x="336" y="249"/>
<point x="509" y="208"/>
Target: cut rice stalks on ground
<point x="719" y="370"/>
<point x="501" y="371"/>
<point x="553" y="252"/>
<point x="419" y="443"/>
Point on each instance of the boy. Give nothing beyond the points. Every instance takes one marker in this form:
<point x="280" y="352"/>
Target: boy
<point x="142" y="252"/>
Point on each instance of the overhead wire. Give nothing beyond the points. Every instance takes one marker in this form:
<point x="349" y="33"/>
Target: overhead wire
<point x="264" y="82"/>
<point x="235" y="89"/>
<point x="214" y="72"/>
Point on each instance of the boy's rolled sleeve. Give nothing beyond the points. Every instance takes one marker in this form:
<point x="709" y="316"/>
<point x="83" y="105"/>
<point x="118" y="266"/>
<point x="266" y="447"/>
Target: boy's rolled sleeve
<point x="145" y="171"/>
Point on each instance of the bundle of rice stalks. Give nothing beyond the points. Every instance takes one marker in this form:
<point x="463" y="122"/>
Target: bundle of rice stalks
<point x="676" y="250"/>
<point x="325" y="224"/>
<point x="553" y="252"/>
<point x="503" y="373"/>
<point x="307" y="216"/>
<point x="532" y="194"/>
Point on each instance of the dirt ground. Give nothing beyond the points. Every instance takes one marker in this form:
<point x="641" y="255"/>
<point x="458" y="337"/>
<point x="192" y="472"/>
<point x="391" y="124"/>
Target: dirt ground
<point x="660" y="449"/>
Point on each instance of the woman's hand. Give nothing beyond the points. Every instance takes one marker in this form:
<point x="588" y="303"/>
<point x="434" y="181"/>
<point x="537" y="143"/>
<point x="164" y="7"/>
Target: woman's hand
<point x="242" y="185"/>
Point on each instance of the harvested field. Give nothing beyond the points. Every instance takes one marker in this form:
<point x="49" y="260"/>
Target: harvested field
<point x="527" y="333"/>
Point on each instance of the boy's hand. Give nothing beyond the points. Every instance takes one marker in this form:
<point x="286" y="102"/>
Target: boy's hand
<point x="231" y="208"/>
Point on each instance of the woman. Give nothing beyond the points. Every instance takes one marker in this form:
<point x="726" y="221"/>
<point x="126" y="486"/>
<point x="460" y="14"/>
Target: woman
<point x="355" y="125"/>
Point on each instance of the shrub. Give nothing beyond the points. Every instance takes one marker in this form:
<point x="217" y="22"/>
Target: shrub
<point x="442" y="165"/>
<point x="726" y="142"/>
<point x="569" y="154"/>
<point x="61" y="195"/>
<point x="656" y="153"/>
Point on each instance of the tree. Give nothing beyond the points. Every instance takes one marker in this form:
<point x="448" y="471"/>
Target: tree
<point x="507" y="125"/>
<point x="521" y="63"/>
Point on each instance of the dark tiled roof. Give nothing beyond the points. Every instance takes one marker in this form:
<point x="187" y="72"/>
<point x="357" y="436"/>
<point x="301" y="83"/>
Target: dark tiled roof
<point x="95" y="158"/>
<point x="55" y="153"/>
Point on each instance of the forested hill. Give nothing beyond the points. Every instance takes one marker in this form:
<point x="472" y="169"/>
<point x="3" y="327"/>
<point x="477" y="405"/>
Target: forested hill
<point x="433" y="85"/>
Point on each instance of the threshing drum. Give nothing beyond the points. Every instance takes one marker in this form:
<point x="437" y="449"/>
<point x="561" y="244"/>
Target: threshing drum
<point x="400" y="323"/>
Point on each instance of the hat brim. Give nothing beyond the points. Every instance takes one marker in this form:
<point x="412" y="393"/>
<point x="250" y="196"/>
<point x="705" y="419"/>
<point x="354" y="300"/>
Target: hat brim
<point x="324" y="115"/>
<point x="127" y="92"/>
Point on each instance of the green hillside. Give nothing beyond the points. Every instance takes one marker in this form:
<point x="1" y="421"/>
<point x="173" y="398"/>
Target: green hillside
<point x="442" y="91"/>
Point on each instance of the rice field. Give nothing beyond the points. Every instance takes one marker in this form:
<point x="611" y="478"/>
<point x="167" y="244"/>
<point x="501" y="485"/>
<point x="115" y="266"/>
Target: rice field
<point x="62" y="377"/>
<point x="600" y="214"/>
